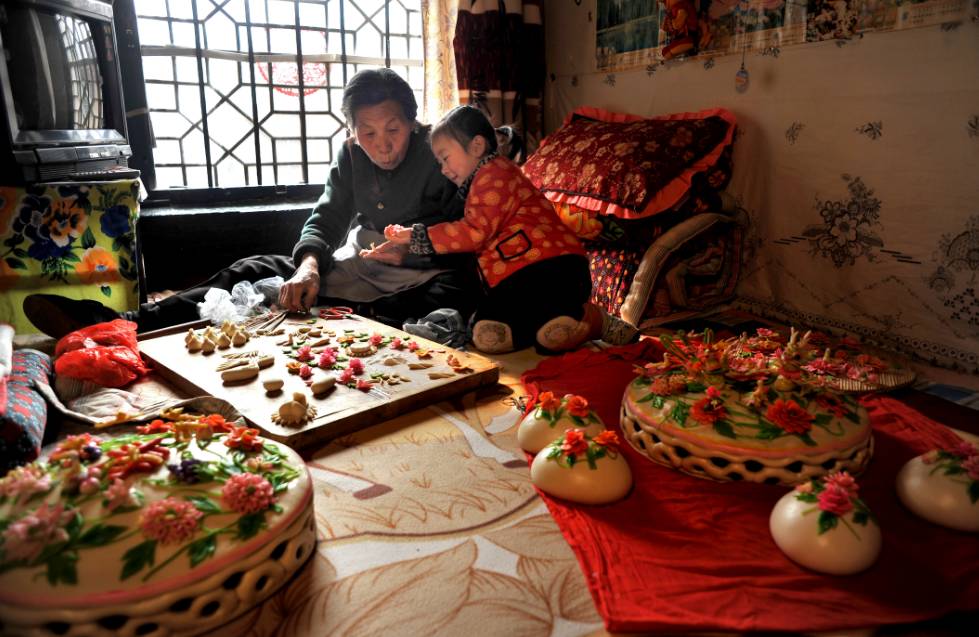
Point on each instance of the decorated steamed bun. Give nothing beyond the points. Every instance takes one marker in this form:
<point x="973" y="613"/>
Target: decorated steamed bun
<point x="942" y="486"/>
<point x="552" y="417"/>
<point x="823" y="525"/>
<point x="582" y="469"/>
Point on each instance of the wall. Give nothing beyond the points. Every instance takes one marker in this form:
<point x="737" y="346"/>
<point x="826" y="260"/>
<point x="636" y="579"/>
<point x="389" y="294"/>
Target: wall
<point x="876" y="235"/>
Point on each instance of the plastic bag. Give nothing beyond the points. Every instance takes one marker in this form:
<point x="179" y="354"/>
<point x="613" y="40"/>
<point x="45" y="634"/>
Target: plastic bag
<point x="106" y="354"/>
<point x="242" y="302"/>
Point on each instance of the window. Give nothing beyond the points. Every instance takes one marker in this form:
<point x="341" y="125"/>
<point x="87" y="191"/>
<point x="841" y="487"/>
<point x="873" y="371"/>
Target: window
<point x="227" y="103"/>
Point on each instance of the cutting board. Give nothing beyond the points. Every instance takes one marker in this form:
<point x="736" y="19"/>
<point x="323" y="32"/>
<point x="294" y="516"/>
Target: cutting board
<point x="342" y="409"/>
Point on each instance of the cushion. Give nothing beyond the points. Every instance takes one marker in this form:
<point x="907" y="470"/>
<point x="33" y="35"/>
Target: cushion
<point x="626" y="165"/>
<point x="23" y="411"/>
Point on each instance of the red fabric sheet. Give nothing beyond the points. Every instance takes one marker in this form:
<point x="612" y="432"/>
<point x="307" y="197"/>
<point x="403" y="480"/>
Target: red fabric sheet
<point x="681" y="553"/>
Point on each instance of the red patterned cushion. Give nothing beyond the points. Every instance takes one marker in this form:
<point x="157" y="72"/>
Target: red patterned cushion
<point x="23" y="412"/>
<point x="626" y="165"/>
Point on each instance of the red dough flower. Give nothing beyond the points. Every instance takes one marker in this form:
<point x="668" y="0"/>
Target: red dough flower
<point x="549" y="402"/>
<point x="607" y="438"/>
<point x="710" y="408"/>
<point x="578" y="406"/>
<point x="243" y="438"/>
<point x="574" y="442"/>
<point x="789" y="416"/>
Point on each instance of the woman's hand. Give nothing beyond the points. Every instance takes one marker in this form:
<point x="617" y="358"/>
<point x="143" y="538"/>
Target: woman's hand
<point x="388" y="252"/>
<point x="299" y="293"/>
<point x="398" y="234"/>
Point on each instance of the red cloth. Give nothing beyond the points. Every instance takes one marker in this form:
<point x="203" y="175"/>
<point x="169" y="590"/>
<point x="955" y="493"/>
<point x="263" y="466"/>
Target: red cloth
<point x="681" y="553"/>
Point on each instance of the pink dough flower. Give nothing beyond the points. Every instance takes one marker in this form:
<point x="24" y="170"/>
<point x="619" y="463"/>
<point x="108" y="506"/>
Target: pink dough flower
<point x="356" y="366"/>
<point x="376" y="339"/>
<point x="397" y="343"/>
<point x="412" y="346"/>
<point x="25" y="481"/>
<point x="170" y="521"/>
<point x="25" y="538"/>
<point x="843" y="480"/>
<point x="327" y="358"/>
<point x="709" y="409"/>
<point x="971" y="466"/>
<point x="247" y="493"/>
<point x="305" y="371"/>
<point x="345" y="376"/>
<point x="304" y="354"/>
<point x="965" y="450"/>
<point x="835" y="499"/>
<point x="607" y="438"/>
<point x="364" y="385"/>
<point x="117" y="495"/>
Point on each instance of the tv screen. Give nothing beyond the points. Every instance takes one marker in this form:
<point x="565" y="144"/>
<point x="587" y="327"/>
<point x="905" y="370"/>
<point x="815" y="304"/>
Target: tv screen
<point x="57" y="84"/>
<point x="61" y="90"/>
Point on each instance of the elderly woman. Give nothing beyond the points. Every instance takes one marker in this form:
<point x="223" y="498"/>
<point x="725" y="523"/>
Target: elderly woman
<point x="384" y="174"/>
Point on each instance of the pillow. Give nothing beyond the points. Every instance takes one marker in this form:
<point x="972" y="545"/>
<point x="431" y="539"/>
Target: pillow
<point x="626" y="165"/>
<point x="23" y="411"/>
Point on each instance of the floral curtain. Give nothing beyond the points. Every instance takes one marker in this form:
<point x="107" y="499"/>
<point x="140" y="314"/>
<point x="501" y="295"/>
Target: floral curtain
<point x="441" y="83"/>
<point x="499" y="54"/>
<point x="76" y="240"/>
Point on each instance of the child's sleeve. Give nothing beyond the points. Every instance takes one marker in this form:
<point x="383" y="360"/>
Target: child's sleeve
<point x="486" y="208"/>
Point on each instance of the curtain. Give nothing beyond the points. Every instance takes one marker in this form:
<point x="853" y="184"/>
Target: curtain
<point x="499" y="58"/>
<point x="441" y="85"/>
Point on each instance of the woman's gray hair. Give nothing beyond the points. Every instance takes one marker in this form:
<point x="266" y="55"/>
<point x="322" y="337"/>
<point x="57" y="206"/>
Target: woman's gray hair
<point x="373" y="86"/>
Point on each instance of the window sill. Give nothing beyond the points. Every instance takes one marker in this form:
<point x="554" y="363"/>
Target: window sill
<point x="263" y="207"/>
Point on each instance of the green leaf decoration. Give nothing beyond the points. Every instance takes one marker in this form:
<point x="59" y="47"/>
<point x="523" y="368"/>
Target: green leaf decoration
<point x="71" y="257"/>
<point x="651" y="398"/>
<point x="137" y="558"/>
<point x="15" y="264"/>
<point x="74" y="526"/>
<point x="804" y="496"/>
<point x="202" y="549"/>
<point x="696" y="387"/>
<point x="861" y="518"/>
<point x="974" y="491"/>
<point x="658" y="402"/>
<point x="724" y="428"/>
<point x="769" y="433"/>
<point x="249" y="525"/>
<point x="21" y="253"/>
<point x="105" y="290"/>
<point x="852" y="417"/>
<point x="100" y="535"/>
<point x="204" y="504"/>
<point x="807" y="439"/>
<point x="822" y="419"/>
<point x="827" y="521"/>
<point x="61" y="568"/>
<point x="680" y="412"/>
<point x="88" y="239"/>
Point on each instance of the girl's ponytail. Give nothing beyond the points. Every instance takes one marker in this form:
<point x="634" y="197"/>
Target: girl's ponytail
<point x="510" y="143"/>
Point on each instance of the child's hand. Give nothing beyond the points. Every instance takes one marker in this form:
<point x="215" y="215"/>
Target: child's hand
<point x="388" y="252"/>
<point x="397" y="234"/>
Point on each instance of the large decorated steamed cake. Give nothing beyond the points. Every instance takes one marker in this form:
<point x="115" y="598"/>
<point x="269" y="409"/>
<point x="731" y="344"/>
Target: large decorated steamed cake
<point x="745" y="409"/>
<point x="172" y="530"/>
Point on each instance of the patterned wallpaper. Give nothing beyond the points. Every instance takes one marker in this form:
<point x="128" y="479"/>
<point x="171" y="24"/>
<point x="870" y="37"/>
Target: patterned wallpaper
<point x="856" y="166"/>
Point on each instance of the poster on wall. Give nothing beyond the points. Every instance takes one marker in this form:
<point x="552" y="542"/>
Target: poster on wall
<point x="631" y="33"/>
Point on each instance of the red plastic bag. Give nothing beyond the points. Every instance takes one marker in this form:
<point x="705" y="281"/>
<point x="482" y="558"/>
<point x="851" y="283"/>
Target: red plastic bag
<point x="106" y="354"/>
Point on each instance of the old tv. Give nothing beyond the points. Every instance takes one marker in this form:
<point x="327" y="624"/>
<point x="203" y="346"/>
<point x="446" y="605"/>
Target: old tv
<point x="61" y="92"/>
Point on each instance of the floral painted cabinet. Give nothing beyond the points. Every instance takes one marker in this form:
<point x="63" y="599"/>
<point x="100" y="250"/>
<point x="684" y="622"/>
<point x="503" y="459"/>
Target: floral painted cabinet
<point x="73" y="239"/>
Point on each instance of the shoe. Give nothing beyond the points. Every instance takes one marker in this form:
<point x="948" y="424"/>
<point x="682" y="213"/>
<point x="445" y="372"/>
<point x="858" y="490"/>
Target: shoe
<point x="562" y="334"/>
<point x="492" y="337"/>
<point x="57" y="315"/>
<point x="615" y="331"/>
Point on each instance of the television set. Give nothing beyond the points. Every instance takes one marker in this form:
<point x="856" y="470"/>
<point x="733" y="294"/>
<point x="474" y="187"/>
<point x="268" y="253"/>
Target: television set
<point x="61" y="92"/>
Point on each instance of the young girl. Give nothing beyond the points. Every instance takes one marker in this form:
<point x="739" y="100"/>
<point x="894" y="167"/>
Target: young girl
<point x="535" y="268"/>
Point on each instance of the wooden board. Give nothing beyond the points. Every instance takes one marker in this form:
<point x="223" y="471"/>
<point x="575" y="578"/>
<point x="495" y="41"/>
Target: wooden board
<point x="341" y="410"/>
